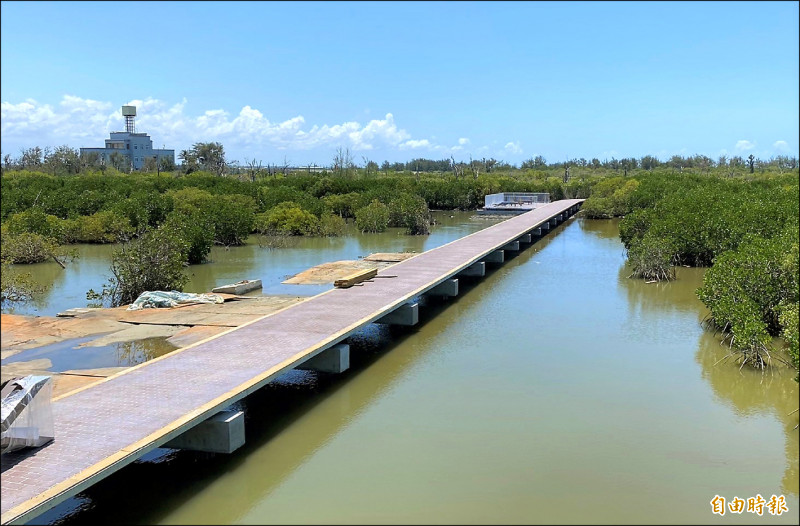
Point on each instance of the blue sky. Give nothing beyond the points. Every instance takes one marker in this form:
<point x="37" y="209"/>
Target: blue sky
<point x="399" y="80"/>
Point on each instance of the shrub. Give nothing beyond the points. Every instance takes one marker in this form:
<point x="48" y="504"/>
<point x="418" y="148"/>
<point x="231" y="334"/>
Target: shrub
<point x="287" y="219"/>
<point x="273" y="196"/>
<point x="103" y="227"/>
<point x="145" y="208"/>
<point x="152" y="262"/>
<point x="15" y="286"/>
<point x="410" y="212"/>
<point x="344" y="205"/>
<point x="651" y="257"/>
<point x="610" y="197"/>
<point x="27" y="248"/>
<point x="196" y="229"/>
<point x="331" y="225"/>
<point x="633" y="226"/>
<point x="598" y="208"/>
<point x="35" y="221"/>
<point x="749" y="288"/>
<point x="190" y="199"/>
<point x="789" y="320"/>
<point x="233" y="217"/>
<point x="373" y="218"/>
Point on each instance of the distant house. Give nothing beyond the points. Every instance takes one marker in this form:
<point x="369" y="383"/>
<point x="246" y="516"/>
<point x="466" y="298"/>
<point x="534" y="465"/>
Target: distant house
<point x="135" y="147"/>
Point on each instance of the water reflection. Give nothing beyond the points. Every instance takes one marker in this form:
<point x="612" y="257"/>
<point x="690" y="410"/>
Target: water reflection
<point x="751" y="393"/>
<point x="748" y="392"/>
<point x="73" y="354"/>
<point x="601" y="228"/>
<point x="656" y="298"/>
<point x="140" y="351"/>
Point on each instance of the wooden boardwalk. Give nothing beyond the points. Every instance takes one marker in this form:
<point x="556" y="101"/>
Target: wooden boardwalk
<point x="105" y="426"/>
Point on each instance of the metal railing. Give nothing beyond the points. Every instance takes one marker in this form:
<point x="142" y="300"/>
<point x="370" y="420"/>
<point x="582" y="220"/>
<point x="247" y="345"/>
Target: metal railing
<point x="516" y="198"/>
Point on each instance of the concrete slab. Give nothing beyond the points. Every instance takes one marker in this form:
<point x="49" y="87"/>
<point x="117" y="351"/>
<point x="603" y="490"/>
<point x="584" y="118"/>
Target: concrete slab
<point x="406" y="314"/>
<point x="222" y="433"/>
<point x="475" y="270"/>
<point x="334" y="359"/>
<point x="498" y="256"/>
<point x="447" y="288"/>
<point x="513" y="246"/>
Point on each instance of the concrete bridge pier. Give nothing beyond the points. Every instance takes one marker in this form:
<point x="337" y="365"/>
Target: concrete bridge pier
<point x="525" y="238"/>
<point x="222" y="433"/>
<point x="498" y="256"/>
<point x="334" y="359"/>
<point x="536" y="231"/>
<point x="447" y="288"/>
<point x="477" y="269"/>
<point x="513" y="246"/>
<point x="406" y="314"/>
<point x="544" y="227"/>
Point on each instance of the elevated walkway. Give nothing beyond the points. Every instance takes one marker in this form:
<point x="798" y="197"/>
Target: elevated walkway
<point x="105" y="426"/>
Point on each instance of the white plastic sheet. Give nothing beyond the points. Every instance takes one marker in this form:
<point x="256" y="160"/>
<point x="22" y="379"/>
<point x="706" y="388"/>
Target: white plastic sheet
<point x="27" y="413"/>
<point x="159" y="299"/>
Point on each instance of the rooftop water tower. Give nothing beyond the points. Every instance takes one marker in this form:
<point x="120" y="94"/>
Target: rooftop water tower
<point x="129" y="112"/>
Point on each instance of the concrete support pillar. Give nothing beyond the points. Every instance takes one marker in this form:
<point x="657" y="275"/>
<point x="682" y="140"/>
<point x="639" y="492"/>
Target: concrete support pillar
<point x="536" y="231"/>
<point x="544" y="227"/>
<point x="476" y="269"/>
<point x="498" y="256"/>
<point x="222" y="433"/>
<point x="553" y="221"/>
<point x="406" y="314"/>
<point x="335" y="359"/>
<point x="525" y="238"/>
<point x="448" y="288"/>
<point x="513" y="246"/>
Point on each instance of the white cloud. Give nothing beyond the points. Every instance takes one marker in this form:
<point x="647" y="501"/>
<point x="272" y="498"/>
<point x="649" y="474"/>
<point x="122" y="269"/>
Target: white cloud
<point x="781" y="146"/>
<point x="513" y="147"/>
<point x="462" y="142"/>
<point x="744" y="145"/>
<point x="414" y="144"/>
<point x="85" y="122"/>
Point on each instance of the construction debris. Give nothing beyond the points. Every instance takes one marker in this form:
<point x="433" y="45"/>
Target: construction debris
<point x="357" y="277"/>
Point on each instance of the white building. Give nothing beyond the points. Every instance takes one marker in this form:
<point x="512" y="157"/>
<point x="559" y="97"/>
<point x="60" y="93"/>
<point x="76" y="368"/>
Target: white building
<point x="135" y="147"/>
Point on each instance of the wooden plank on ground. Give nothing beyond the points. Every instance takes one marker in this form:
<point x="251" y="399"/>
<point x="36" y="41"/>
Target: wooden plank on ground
<point x="356" y="277"/>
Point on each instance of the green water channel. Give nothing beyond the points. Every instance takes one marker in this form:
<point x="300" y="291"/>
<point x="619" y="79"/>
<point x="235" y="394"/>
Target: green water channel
<point x="554" y="390"/>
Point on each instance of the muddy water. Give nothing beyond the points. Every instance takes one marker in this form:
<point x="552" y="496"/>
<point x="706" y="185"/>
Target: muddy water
<point x="555" y="390"/>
